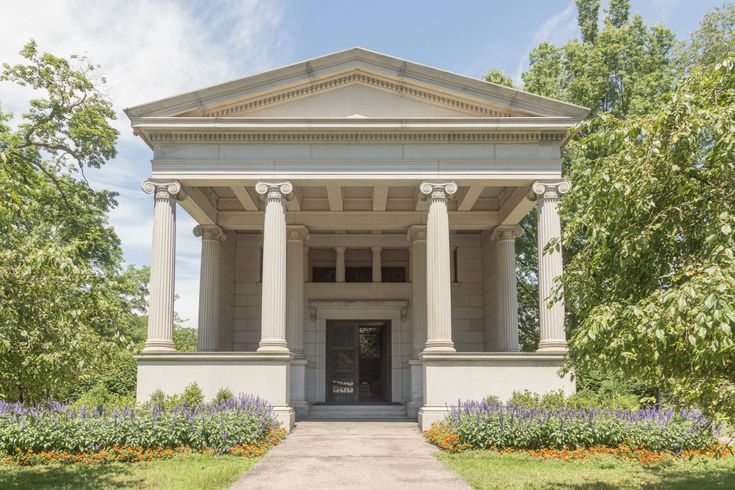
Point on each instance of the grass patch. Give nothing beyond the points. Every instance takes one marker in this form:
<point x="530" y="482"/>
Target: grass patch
<point x="190" y="471"/>
<point x="486" y="470"/>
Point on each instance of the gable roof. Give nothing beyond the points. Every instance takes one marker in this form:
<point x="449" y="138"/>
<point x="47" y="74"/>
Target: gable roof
<point x="249" y="96"/>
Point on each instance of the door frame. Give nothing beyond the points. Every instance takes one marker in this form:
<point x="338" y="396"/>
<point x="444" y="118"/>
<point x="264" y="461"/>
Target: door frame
<point x="393" y="311"/>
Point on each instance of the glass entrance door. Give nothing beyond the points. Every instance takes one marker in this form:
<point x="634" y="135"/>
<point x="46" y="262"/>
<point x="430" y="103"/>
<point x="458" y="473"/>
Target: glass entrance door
<point x="358" y="361"/>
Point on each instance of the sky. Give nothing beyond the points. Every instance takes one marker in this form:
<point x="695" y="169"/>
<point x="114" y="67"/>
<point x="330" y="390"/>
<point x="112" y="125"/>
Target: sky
<point x="152" y="49"/>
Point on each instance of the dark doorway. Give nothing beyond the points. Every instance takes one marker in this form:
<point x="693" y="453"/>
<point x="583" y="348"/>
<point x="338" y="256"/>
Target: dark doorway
<point x="358" y="361"/>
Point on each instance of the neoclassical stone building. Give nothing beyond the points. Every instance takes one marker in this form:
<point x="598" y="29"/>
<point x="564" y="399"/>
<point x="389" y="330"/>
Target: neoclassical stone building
<point x="358" y="216"/>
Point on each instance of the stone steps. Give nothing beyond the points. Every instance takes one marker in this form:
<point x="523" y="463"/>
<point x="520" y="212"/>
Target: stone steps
<point x="347" y="412"/>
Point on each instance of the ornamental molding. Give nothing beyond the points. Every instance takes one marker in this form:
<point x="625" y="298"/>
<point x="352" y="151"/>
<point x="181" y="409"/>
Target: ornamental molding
<point x="438" y="189"/>
<point x="210" y="232"/>
<point x="416" y="233"/>
<point x="164" y="189"/>
<point x="550" y="190"/>
<point x="353" y="137"/>
<point x="314" y="88"/>
<point x="274" y="189"/>
<point x="297" y="233"/>
<point x="509" y="232"/>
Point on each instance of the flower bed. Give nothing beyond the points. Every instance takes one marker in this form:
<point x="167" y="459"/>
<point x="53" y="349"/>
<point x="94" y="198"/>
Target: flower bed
<point x="482" y="425"/>
<point x="63" y="433"/>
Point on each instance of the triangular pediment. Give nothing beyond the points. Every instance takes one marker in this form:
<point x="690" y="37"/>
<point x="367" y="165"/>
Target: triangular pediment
<point x="357" y="83"/>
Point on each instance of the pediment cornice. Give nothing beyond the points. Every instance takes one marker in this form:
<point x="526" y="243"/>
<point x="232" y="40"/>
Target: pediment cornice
<point x="313" y="87"/>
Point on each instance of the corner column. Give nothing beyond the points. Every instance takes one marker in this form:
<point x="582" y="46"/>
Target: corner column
<point x="273" y="303"/>
<point x="163" y="265"/>
<point x="507" y="305"/>
<point x="438" y="280"/>
<point x="551" y="316"/>
<point x="209" y="287"/>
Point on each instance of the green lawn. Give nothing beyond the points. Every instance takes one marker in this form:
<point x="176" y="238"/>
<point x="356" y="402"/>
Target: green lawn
<point x="488" y="470"/>
<point x="194" y="471"/>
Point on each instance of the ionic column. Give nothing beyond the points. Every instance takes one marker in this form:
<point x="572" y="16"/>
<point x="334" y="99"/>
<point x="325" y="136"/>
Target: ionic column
<point x="438" y="280"/>
<point x="507" y="294"/>
<point x="307" y="266"/>
<point x="209" y="285"/>
<point x="273" y="303"/>
<point x="377" y="264"/>
<point x="295" y="289"/>
<point x="417" y="237"/>
<point x="163" y="265"/>
<point x="553" y="336"/>
<point x="340" y="264"/>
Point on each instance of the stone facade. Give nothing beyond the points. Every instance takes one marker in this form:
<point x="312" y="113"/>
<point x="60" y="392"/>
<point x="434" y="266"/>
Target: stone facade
<point x="361" y="194"/>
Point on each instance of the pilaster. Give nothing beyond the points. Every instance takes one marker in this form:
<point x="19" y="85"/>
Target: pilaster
<point x="507" y="293"/>
<point x="209" y="287"/>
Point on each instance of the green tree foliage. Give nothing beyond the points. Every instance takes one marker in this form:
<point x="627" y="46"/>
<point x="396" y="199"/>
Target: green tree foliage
<point x="65" y="301"/>
<point x="587" y="13"/>
<point x="499" y="77"/>
<point x="653" y="276"/>
<point x="712" y="42"/>
<point x="624" y="69"/>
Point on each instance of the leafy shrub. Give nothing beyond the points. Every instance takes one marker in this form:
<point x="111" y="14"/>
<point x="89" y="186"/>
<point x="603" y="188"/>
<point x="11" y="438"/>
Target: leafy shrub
<point x="492" y="400"/>
<point x="223" y="395"/>
<point x="193" y="396"/>
<point x="99" y="396"/>
<point x="480" y="425"/>
<point x="62" y="427"/>
<point x="582" y="399"/>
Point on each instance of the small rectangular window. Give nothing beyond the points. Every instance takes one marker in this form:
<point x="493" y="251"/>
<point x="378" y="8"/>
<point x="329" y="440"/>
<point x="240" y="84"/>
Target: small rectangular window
<point x="323" y="274"/>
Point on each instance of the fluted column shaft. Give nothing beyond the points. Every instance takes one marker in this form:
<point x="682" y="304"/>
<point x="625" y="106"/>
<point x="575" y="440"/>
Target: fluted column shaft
<point x="163" y="265"/>
<point x="295" y="289"/>
<point x="507" y="293"/>
<point x="340" y="264"/>
<point x="209" y="287"/>
<point x="417" y="237"/>
<point x="377" y="264"/>
<point x="551" y="316"/>
<point x="273" y="303"/>
<point x="438" y="280"/>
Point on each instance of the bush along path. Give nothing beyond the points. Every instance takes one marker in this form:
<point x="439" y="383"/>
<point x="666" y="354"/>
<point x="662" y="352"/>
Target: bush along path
<point x="62" y="433"/>
<point x="648" y="435"/>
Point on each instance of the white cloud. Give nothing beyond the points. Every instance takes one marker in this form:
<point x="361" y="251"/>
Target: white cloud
<point x="557" y="29"/>
<point x="148" y="50"/>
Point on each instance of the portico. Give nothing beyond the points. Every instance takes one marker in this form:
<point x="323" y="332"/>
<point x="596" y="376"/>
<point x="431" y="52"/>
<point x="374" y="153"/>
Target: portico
<point x="358" y="216"/>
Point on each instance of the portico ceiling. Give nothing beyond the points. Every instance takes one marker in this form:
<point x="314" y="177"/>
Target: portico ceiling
<point x="357" y="207"/>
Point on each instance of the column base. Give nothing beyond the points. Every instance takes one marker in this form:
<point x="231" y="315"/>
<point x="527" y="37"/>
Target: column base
<point x="439" y="346"/>
<point x="552" y="346"/>
<point x="273" y="345"/>
<point x="159" y="345"/>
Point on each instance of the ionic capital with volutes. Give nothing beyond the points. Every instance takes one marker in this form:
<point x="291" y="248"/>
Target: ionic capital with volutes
<point x="274" y="189"/>
<point x="550" y="190"/>
<point x="210" y="232"/>
<point x="510" y="232"/>
<point x="163" y="189"/>
<point x="438" y="190"/>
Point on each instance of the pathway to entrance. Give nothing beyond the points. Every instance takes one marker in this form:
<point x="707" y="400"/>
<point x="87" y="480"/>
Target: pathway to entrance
<point x="351" y="454"/>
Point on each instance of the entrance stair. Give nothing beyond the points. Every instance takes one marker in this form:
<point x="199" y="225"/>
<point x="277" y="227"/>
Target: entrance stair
<point x="356" y="412"/>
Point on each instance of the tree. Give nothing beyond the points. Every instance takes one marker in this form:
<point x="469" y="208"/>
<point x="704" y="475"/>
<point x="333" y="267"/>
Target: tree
<point x="499" y="77"/>
<point x="587" y="12"/>
<point x="65" y="301"/>
<point x="713" y="40"/>
<point x="626" y="69"/>
<point x="653" y="276"/>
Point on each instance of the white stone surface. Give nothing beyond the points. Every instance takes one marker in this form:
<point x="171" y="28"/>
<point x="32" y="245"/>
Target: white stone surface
<point x="451" y="377"/>
<point x="507" y="302"/>
<point x="273" y="302"/>
<point x="266" y="375"/>
<point x="551" y="313"/>
<point x="209" y="287"/>
<point x="163" y="262"/>
<point x="295" y="289"/>
<point x="438" y="281"/>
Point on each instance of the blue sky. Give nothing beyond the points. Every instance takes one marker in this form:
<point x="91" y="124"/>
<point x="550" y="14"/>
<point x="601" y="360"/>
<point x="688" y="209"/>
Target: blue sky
<point x="151" y="49"/>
